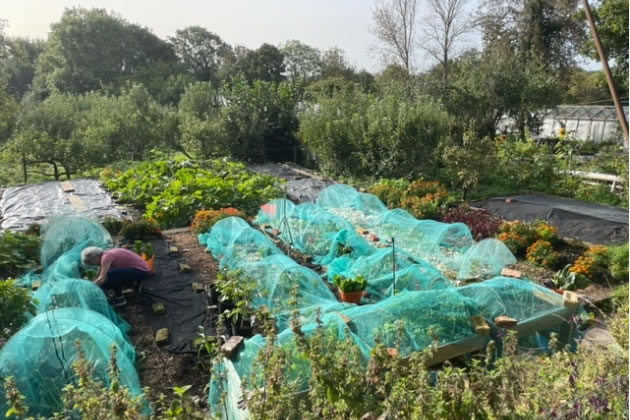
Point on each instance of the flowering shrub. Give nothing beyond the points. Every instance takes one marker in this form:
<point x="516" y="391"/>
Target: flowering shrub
<point x="205" y="219"/>
<point x="423" y="199"/>
<point x="541" y="253"/>
<point x="517" y="236"/>
<point x="481" y="223"/>
<point x="545" y="231"/>
<point x="600" y="262"/>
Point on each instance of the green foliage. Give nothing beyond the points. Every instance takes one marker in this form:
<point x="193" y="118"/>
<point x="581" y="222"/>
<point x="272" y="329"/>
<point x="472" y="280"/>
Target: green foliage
<point x="350" y="285"/>
<point x="423" y="199"/>
<point x="390" y="191"/>
<point x="201" y="51"/>
<point x="205" y="219"/>
<point x="352" y="133"/>
<point x="618" y="262"/>
<point x="466" y="161"/>
<point x="541" y="253"/>
<point x="140" y="229"/>
<point x="173" y="191"/>
<point x="92" y="49"/>
<point x="302" y="62"/>
<point x="565" y="279"/>
<point x="112" y="224"/>
<point x="525" y="164"/>
<point x="235" y="287"/>
<point x="18" y="253"/>
<point x="16" y="303"/>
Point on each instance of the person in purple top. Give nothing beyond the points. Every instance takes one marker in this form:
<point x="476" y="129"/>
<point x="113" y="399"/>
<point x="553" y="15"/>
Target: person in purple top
<point x="118" y="268"/>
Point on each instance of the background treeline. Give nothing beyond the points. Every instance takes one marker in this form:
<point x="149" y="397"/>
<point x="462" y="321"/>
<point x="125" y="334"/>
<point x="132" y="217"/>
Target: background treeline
<point x="101" y="89"/>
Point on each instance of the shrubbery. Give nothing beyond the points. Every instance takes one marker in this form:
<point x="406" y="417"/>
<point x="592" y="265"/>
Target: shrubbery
<point x="423" y="199"/>
<point x="481" y="223"/>
<point x="16" y="303"/>
<point x="18" y="253"/>
<point x="205" y="219"/>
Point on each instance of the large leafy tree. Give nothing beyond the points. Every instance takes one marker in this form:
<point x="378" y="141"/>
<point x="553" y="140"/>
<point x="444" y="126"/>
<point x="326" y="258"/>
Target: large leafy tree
<point x="302" y="62"/>
<point x="18" y="65"/>
<point x="201" y="51"/>
<point x="335" y="64"/>
<point x="93" y="49"/>
<point x="265" y="63"/>
<point x="611" y="18"/>
<point x="47" y="133"/>
<point x="544" y="31"/>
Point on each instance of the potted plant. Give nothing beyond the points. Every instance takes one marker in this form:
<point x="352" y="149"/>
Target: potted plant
<point x="564" y="280"/>
<point x="350" y="289"/>
<point x="148" y="255"/>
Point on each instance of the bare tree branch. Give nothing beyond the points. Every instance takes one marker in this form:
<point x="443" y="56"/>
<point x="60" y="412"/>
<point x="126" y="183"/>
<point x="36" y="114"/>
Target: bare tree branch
<point x="394" y="26"/>
<point x="444" y="24"/>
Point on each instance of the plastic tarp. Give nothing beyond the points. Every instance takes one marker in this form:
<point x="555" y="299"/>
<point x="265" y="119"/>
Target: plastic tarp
<point x="590" y="222"/>
<point x="25" y="205"/>
<point x="300" y="185"/>
<point x="40" y="356"/>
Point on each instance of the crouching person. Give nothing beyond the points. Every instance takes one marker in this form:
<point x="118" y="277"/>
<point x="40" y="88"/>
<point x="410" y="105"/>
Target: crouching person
<point x="118" y="268"/>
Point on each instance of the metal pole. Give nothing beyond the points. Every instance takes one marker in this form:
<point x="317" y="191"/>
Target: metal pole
<point x="393" y="266"/>
<point x="611" y="85"/>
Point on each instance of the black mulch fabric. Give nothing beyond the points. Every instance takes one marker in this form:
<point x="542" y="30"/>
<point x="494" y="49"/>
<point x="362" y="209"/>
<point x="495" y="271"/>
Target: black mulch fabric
<point x="185" y="309"/>
<point x="589" y="222"/>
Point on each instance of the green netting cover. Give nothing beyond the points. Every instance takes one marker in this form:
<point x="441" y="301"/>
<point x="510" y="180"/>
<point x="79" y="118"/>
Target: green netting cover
<point x="485" y="259"/>
<point x="233" y="241"/>
<point x="63" y="239"/>
<point x="77" y="293"/>
<point x="277" y="278"/>
<point x="40" y="356"/>
<point x="411" y="273"/>
<point x="518" y="299"/>
<point x="238" y="246"/>
<point x="242" y="366"/>
<point x="312" y="230"/>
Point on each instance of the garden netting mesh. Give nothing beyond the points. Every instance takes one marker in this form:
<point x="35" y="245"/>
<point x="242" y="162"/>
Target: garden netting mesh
<point x="278" y="278"/>
<point x="409" y="321"/>
<point x="40" y="356"/>
<point x="77" y="293"/>
<point x="63" y="239"/>
<point x="442" y="245"/>
<point x="312" y="230"/>
<point x="382" y="274"/>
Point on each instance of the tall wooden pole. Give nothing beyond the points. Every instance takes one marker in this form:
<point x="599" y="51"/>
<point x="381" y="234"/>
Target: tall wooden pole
<point x="611" y="85"/>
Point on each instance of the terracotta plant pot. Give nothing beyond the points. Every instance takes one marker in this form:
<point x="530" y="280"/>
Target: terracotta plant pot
<point x="558" y="291"/>
<point x="352" y="297"/>
<point x="149" y="261"/>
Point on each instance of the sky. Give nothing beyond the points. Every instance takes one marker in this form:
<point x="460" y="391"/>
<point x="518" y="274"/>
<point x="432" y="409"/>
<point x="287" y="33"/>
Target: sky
<point x="319" y="23"/>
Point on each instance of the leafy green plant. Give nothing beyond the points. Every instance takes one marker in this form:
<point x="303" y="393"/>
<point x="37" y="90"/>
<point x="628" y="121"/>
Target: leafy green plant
<point x="137" y="246"/>
<point x="565" y="279"/>
<point x="16" y="304"/>
<point x="113" y="225"/>
<point x="19" y="252"/>
<point x="236" y="288"/>
<point x="618" y="267"/>
<point x="148" y="250"/>
<point x="350" y="285"/>
<point x="172" y="192"/>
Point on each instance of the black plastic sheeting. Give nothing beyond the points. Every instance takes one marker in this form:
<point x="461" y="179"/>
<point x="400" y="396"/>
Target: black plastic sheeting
<point x="589" y="222"/>
<point x="25" y="205"/>
<point x="186" y="310"/>
<point x="301" y="187"/>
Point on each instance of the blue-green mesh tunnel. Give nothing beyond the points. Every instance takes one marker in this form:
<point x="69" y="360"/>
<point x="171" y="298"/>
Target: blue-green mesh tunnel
<point x="77" y="293"/>
<point x="40" y="356"/>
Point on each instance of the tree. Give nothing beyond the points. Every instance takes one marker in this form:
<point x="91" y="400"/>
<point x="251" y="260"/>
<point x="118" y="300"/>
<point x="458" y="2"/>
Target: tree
<point x="587" y="87"/>
<point x="8" y="112"/>
<point x="445" y="23"/>
<point x="201" y="51"/>
<point x="335" y="64"/>
<point x="266" y="64"/>
<point x="611" y="18"/>
<point x="394" y="26"/>
<point x="91" y="49"/>
<point x="544" y="31"/>
<point x="47" y="133"/>
<point x="18" y="66"/>
<point x="198" y="121"/>
<point x="301" y="62"/>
